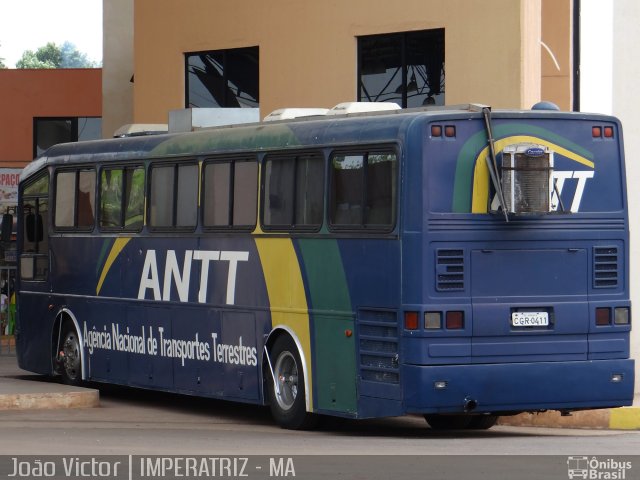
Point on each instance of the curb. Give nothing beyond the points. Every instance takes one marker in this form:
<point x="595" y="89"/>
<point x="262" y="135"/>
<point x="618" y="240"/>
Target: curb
<point x="44" y="401"/>
<point x="624" y="418"/>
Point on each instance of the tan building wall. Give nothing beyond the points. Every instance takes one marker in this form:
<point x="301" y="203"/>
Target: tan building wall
<point x="308" y="49"/>
<point x="117" y="45"/>
<point x="557" y="58"/>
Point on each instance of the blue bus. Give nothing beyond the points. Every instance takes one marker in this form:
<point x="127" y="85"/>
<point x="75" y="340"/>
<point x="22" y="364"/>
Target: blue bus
<point x="457" y="263"/>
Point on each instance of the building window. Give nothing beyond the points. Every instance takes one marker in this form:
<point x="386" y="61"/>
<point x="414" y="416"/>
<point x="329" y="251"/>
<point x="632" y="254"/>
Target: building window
<point x="50" y="131"/>
<point x="405" y="68"/>
<point x="222" y="78"/>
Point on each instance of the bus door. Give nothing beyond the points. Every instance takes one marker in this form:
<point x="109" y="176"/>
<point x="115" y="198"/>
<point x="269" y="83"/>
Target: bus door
<point x="34" y="280"/>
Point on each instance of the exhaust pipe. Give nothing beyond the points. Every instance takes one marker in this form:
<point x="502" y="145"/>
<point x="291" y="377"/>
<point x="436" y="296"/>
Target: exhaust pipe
<point x="470" y="404"/>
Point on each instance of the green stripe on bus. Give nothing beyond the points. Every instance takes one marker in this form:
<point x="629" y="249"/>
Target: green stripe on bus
<point x="332" y="318"/>
<point x="240" y="138"/>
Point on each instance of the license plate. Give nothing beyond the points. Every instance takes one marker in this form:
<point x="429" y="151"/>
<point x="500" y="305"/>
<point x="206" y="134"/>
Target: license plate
<point x="530" y="319"/>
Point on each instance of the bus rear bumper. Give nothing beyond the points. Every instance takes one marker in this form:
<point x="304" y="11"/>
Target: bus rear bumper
<point x="518" y="387"/>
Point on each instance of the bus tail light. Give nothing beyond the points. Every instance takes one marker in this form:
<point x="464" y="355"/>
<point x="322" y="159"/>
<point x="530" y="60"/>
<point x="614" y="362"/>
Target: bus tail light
<point x="432" y="320"/>
<point x="608" y="132"/>
<point x="603" y="316"/>
<point x="621" y="316"/>
<point x="596" y="132"/>
<point x="454" y="320"/>
<point x="411" y="320"/>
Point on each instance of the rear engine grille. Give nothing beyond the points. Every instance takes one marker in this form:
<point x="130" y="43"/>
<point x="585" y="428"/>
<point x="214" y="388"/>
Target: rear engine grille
<point x="378" y="342"/>
<point x="605" y="267"/>
<point x="449" y="270"/>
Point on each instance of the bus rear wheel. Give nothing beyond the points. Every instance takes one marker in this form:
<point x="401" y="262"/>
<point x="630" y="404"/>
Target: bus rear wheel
<point x="461" y="422"/>
<point x="482" y="422"/>
<point x="69" y="356"/>
<point x="287" y="396"/>
<point x="448" y="422"/>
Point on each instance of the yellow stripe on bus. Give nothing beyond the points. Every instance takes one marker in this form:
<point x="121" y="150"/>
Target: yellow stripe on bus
<point x="480" y="197"/>
<point x="287" y="298"/>
<point x="117" y="247"/>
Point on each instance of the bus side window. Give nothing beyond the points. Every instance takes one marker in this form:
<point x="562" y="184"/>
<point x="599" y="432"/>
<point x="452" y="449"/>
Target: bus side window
<point x="381" y="188"/>
<point x="346" y="192"/>
<point x="293" y="191"/>
<point x="133" y="198"/>
<point x="230" y="193"/>
<point x="75" y="197"/>
<point x="174" y="196"/>
<point x="122" y="198"/>
<point x="363" y="190"/>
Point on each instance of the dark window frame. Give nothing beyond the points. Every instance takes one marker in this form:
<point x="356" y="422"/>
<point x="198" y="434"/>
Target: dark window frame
<point x="404" y="39"/>
<point x="225" y="52"/>
<point x="76" y="199"/>
<point x="365" y="151"/>
<point x="174" y="214"/>
<point x="232" y="160"/>
<point x="74" y="133"/>
<point x="293" y="226"/>
<point x="123" y="227"/>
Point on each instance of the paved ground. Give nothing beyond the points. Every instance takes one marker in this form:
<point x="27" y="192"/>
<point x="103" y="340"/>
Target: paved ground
<point x="21" y="390"/>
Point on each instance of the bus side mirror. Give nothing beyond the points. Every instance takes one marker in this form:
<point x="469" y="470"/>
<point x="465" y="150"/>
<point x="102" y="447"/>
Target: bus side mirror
<point x="7" y="227"/>
<point x="33" y="227"/>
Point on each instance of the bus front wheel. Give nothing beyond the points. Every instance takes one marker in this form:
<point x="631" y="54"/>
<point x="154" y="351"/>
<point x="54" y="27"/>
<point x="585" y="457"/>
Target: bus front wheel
<point x="285" y="386"/>
<point x="69" y="356"/>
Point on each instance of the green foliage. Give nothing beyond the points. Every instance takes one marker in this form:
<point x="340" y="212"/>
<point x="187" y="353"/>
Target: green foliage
<point x="30" y="59"/>
<point x="54" y="56"/>
<point x="2" y="65"/>
<point x="73" y="58"/>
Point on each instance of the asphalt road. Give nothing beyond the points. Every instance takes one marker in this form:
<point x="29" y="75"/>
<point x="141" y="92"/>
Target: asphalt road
<point x="135" y="426"/>
<point x="137" y="422"/>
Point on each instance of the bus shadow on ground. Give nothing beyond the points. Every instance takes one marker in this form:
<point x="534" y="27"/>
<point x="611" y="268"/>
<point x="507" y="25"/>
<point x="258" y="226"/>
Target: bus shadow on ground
<point x="410" y="426"/>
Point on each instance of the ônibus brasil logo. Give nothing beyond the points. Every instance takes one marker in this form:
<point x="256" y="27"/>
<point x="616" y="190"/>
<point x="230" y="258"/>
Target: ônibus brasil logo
<point x="593" y="468"/>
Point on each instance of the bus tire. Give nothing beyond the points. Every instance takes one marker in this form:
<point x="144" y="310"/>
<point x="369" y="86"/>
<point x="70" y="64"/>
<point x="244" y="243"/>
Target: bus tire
<point x="482" y="422"/>
<point x="448" y="422"/>
<point x="288" y="408"/>
<point x="69" y="355"/>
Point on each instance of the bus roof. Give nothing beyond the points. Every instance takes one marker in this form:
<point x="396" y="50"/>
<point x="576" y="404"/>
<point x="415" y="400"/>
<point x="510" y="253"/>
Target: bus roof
<point x="317" y="131"/>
